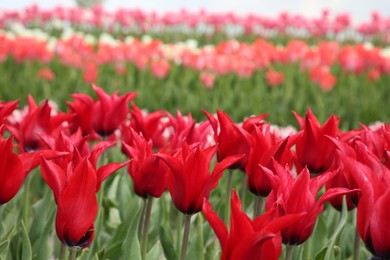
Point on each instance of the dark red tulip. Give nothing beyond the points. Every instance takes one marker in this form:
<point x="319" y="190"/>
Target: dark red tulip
<point x="110" y="111"/>
<point x="190" y="180"/>
<point x="249" y="239"/>
<point x="313" y="148"/>
<point x="74" y="189"/>
<point x="148" y="172"/>
<point x="297" y="196"/>
<point x="231" y="139"/>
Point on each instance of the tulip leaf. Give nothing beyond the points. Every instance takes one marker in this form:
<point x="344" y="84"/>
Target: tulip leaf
<point x="131" y="247"/>
<point x="167" y="243"/>
<point x="4" y="246"/>
<point x="26" y="245"/>
<point x="336" y="233"/>
<point x="155" y="252"/>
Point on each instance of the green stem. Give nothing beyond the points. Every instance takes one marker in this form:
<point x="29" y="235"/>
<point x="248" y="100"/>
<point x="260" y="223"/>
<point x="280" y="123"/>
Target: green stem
<point x="228" y="195"/>
<point x="243" y="189"/>
<point x="72" y="254"/>
<point x="144" y="243"/>
<point x="62" y="252"/>
<point x="356" y="246"/>
<point x="186" y="236"/>
<point x="178" y="229"/>
<point x="142" y="220"/>
<point x="26" y="199"/>
<point x="258" y="207"/>
<point x="289" y="251"/>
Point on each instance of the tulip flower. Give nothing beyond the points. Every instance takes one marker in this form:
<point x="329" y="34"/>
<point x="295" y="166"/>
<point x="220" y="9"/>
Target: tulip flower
<point x="297" y="196"/>
<point x="110" y="111"/>
<point x="6" y="109"/>
<point x="186" y="128"/>
<point x="39" y="120"/>
<point x="74" y="188"/>
<point x="151" y="126"/>
<point x="231" y="139"/>
<point x="373" y="178"/>
<point x="15" y="167"/>
<point x="314" y="149"/>
<point x="249" y="239"/>
<point x="82" y="108"/>
<point x="148" y="172"/>
<point x="190" y="180"/>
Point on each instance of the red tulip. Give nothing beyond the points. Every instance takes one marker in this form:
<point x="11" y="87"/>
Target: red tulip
<point x="266" y="146"/>
<point x="74" y="189"/>
<point x="150" y="126"/>
<point x="38" y="121"/>
<point x="297" y="196"/>
<point x="14" y="167"/>
<point x="231" y="139"/>
<point x="186" y="128"/>
<point x="313" y="147"/>
<point x="249" y="239"/>
<point x="110" y="111"/>
<point x="190" y="180"/>
<point x="148" y="172"/>
<point x="6" y="109"/>
<point x="373" y="179"/>
<point x="82" y="108"/>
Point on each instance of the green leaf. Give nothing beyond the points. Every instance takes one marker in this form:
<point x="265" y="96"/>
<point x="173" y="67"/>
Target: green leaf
<point x="321" y="254"/>
<point x="131" y="247"/>
<point x="167" y="243"/>
<point x="26" y="245"/>
<point x="343" y="220"/>
<point x="155" y="252"/>
<point x="4" y="246"/>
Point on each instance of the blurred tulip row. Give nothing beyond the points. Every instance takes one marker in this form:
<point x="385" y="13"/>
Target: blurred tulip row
<point x="213" y="189"/>
<point x="123" y="20"/>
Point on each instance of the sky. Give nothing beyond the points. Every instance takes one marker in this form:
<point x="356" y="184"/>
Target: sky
<point x="359" y="9"/>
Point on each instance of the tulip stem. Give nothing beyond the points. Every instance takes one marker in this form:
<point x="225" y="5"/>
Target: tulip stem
<point x="142" y="220"/>
<point x="289" y="251"/>
<point x="186" y="235"/>
<point x="145" y="228"/>
<point x="72" y="254"/>
<point x="228" y="195"/>
<point x="62" y="252"/>
<point x="26" y="199"/>
<point x="243" y="189"/>
<point x="258" y="206"/>
<point x="356" y="245"/>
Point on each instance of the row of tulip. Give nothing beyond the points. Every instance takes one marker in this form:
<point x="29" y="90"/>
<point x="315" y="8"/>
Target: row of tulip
<point x="87" y="53"/>
<point x="133" y="20"/>
<point x="288" y="177"/>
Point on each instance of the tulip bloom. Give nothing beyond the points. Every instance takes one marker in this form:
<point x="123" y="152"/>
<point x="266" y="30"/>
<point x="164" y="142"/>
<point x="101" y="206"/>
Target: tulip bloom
<point x="74" y="189"/>
<point x="314" y="149"/>
<point x="297" y="196"/>
<point x="6" y="109"/>
<point x="15" y="167"/>
<point x="149" y="173"/>
<point x="249" y="239"/>
<point x="231" y="139"/>
<point x="82" y="108"/>
<point x="110" y="111"/>
<point x="190" y="180"/>
<point x="39" y="120"/>
<point x="150" y="126"/>
<point x="373" y="178"/>
<point x="265" y="146"/>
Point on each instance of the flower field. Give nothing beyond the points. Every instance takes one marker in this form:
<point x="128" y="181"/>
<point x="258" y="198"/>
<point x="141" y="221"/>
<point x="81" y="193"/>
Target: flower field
<point x="136" y="135"/>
